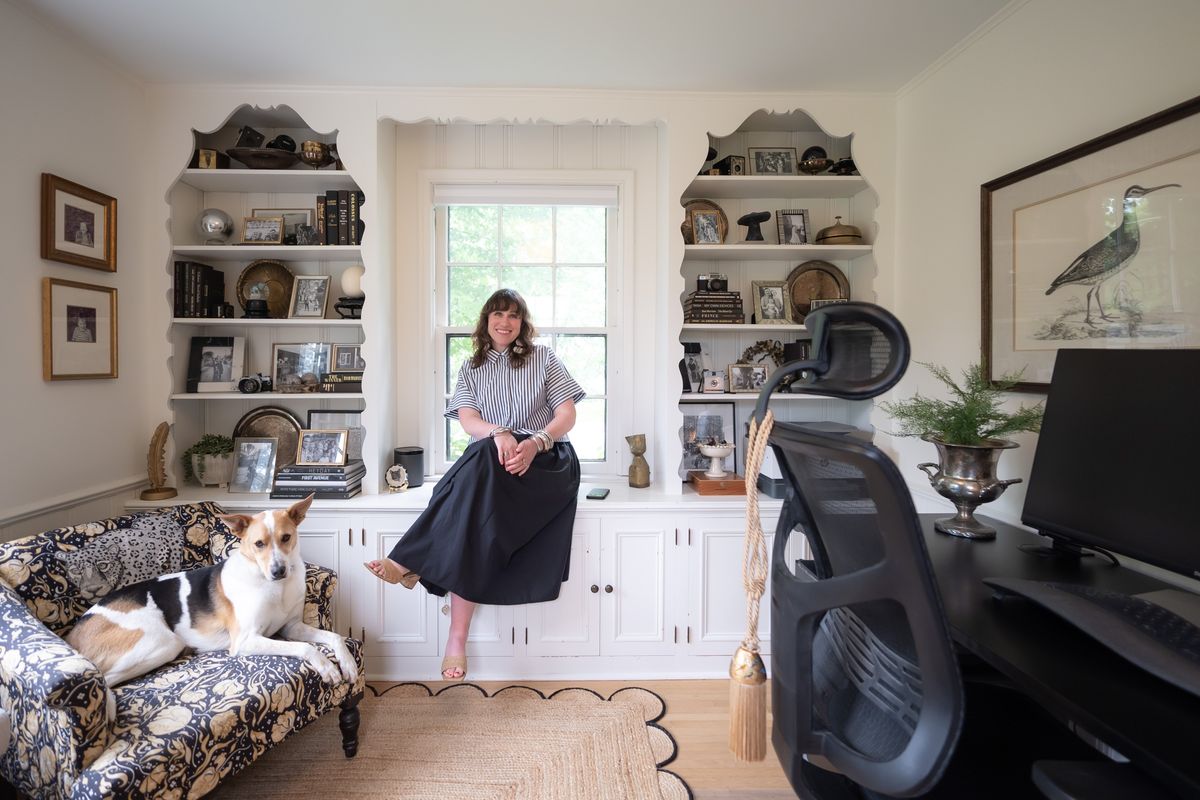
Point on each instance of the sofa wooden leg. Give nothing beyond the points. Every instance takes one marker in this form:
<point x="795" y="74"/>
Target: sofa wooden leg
<point x="348" y="722"/>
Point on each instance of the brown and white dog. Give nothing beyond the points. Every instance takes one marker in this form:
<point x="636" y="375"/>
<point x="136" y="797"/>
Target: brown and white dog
<point x="238" y="604"/>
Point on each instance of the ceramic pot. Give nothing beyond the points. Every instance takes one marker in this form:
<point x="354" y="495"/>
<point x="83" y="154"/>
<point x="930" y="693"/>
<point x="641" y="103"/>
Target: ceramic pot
<point x="212" y="470"/>
<point x="966" y="476"/>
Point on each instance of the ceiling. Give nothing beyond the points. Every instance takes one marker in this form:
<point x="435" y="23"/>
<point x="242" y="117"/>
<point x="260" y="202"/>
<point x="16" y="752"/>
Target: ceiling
<point x="698" y="45"/>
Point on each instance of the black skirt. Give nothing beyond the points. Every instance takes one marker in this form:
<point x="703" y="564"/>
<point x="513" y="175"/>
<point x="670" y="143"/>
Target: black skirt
<point x="494" y="538"/>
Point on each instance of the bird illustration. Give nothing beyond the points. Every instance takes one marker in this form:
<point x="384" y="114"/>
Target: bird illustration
<point x="1111" y="254"/>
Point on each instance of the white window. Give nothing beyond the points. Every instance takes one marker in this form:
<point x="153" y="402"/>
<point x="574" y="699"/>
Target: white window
<point x="555" y="245"/>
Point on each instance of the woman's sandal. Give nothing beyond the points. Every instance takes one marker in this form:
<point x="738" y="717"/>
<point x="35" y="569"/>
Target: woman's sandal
<point x="388" y="573"/>
<point x="454" y="662"/>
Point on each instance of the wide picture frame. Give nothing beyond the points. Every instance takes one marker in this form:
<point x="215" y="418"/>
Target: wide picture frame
<point x="79" y="225"/>
<point x="79" y="330"/>
<point x="702" y="421"/>
<point x="1094" y="247"/>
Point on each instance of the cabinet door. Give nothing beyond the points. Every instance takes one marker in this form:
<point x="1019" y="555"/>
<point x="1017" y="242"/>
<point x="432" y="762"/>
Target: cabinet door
<point x="717" y="614"/>
<point x="570" y="626"/>
<point x="325" y="541"/>
<point x="637" y="577"/>
<point x="493" y="629"/>
<point x="398" y="621"/>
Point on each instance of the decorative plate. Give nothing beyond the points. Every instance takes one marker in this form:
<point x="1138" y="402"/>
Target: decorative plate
<point x="273" y="421"/>
<point x="269" y="276"/>
<point x="689" y="236"/>
<point x="263" y="157"/>
<point x="815" y="280"/>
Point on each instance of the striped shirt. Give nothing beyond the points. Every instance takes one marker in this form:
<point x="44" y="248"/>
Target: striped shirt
<point x="522" y="399"/>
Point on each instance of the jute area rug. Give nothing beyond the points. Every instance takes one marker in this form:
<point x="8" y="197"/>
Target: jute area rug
<point x="462" y="744"/>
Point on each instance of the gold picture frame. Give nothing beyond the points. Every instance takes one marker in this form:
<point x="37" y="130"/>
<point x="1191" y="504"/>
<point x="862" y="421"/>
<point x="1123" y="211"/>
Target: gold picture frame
<point x="262" y="230"/>
<point x="323" y="448"/>
<point x="79" y="330"/>
<point x="79" y="225"/>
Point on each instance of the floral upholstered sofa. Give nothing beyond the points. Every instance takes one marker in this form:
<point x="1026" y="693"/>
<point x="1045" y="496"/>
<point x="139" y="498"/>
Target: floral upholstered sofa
<point x="178" y="730"/>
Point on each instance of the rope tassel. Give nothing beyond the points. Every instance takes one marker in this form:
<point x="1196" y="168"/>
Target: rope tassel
<point x="747" y="673"/>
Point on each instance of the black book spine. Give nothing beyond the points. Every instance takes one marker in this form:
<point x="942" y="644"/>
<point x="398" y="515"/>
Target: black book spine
<point x="343" y="216"/>
<point x="331" y="216"/>
<point x="321" y="219"/>
<point x="352" y="228"/>
<point x="177" y="289"/>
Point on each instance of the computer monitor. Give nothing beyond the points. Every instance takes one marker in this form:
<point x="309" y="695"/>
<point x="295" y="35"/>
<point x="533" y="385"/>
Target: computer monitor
<point x="1117" y="464"/>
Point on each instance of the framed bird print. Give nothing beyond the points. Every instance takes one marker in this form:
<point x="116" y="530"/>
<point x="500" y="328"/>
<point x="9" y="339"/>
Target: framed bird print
<point x="1095" y="247"/>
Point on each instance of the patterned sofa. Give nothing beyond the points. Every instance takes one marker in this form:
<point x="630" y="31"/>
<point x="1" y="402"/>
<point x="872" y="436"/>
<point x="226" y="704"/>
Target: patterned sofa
<point x="179" y="730"/>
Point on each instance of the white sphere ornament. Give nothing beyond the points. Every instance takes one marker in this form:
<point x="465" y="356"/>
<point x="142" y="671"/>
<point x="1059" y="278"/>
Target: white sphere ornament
<point x="214" y="225"/>
<point x="352" y="281"/>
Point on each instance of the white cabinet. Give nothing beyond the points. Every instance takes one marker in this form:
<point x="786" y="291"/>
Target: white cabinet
<point x="640" y="581"/>
<point x="326" y="540"/>
<point x="716" y="592"/>
<point x="397" y="621"/>
<point x="570" y="626"/>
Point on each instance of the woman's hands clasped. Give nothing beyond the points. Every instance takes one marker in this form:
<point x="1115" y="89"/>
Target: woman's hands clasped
<point x="516" y="457"/>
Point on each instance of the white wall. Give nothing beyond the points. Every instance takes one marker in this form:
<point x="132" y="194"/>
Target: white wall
<point x="1050" y="75"/>
<point x="71" y="114"/>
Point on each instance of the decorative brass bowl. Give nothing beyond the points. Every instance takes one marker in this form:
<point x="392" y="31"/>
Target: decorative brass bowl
<point x="315" y="154"/>
<point x="814" y="166"/>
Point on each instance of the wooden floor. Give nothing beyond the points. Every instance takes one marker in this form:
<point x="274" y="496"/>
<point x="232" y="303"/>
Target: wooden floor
<point x="698" y="717"/>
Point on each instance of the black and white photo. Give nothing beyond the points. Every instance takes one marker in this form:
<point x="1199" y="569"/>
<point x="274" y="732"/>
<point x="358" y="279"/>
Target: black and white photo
<point x="81" y="324"/>
<point x="79" y="330"/>
<point x="772" y="160"/>
<point x="215" y="363"/>
<point x="254" y="463"/>
<point x="694" y="364"/>
<point x="350" y="421"/>
<point x="348" y="358"/>
<point x="293" y="218"/>
<point x="747" y="377"/>
<point x="266" y="230"/>
<point x="294" y="365"/>
<point x="309" y="296"/>
<point x="706" y="227"/>
<point x="322" y="448"/>
<point x="771" y="303"/>
<point x="704" y="423"/>
<point x="792" y="224"/>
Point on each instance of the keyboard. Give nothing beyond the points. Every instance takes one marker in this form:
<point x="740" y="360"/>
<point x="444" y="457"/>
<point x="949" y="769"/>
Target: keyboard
<point x="1148" y="635"/>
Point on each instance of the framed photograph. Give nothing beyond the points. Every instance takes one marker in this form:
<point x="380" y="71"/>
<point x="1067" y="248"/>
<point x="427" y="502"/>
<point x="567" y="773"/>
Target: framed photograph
<point x="347" y="358"/>
<point x="694" y="364"/>
<point x="309" y="296"/>
<point x="216" y="363"/>
<point x="294" y="366"/>
<point x="772" y="160"/>
<point x="293" y="218"/>
<point x="1095" y="247"/>
<point x="703" y="422"/>
<point x="262" y="230"/>
<point x="706" y="226"/>
<point x="79" y="330"/>
<point x="253" y="463"/>
<point x="793" y="225"/>
<point x="772" y="304"/>
<point x="713" y="382"/>
<point x="79" y="225"/>
<point x="350" y="421"/>
<point x="322" y="448"/>
<point x="747" y="377"/>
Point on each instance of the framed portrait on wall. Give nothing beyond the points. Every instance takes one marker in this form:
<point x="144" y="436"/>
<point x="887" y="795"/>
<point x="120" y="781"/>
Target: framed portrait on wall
<point x="79" y="225"/>
<point x="1095" y="247"/>
<point x="79" y="330"/>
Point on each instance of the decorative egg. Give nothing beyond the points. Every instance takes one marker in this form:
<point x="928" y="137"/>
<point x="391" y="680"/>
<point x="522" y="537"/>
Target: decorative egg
<point x="352" y="281"/>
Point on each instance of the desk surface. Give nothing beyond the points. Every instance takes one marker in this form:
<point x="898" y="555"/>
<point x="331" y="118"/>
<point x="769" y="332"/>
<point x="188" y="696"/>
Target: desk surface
<point x="1148" y="720"/>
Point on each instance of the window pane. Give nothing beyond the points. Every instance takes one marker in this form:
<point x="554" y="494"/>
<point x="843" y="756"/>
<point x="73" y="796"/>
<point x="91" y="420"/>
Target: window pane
<point x="470" y="287"/>
<point x="458" y="350"/>
<point x="584" y="357"/>
<point x="588" y="434"/>
<point x="536" y="285"/>
<point x="527" y="235"/>
<point x="472" y="235"/>
<point x="581" y="297"/>
<point x="456" y="440"/>
<point x="581" y="235"/>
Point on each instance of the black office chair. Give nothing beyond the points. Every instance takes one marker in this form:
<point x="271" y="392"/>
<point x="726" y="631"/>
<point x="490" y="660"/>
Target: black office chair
<point x="867" y="689"/>
<point x="864" y="678"/>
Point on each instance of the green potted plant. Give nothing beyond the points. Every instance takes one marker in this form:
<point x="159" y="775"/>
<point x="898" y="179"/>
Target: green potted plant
<point x="210" y="460"/>
<point x="968" y="431"/>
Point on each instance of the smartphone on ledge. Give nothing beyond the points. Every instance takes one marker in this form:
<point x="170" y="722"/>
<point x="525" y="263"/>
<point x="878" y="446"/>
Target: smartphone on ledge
<point x="597" y="494"/>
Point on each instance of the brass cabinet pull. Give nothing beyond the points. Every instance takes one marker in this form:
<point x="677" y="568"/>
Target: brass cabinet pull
<point x="595" y="588"/>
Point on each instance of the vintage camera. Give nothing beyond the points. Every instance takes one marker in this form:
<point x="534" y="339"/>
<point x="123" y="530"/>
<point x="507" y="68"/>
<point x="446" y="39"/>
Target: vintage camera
<point x="731" y="165"/>
<point x="253" y="384"/>
<point x="718" y="282"/>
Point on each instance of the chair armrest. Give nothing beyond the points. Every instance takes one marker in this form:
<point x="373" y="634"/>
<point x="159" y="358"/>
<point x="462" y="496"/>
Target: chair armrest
<point x="320" y="584"/>
<point x="57" y="701"/>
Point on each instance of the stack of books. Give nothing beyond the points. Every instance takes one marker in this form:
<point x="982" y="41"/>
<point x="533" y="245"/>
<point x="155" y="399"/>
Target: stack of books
<point x="337" y="217"/>
<point x="710" y="307"/>
<point x="199" y="290"/>
<point x="341" y="382"/>
<point x="295" y="482"/>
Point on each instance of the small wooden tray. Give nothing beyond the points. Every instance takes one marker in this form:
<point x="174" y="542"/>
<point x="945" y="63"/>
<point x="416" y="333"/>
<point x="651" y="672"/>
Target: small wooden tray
<point x="731" y="484"/>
